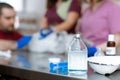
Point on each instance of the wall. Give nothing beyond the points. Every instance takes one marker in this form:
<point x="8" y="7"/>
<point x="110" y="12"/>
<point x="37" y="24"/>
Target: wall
<point x="35" y="6"/>
<point x="33" y="10"/>
<point x="118" y="2"/>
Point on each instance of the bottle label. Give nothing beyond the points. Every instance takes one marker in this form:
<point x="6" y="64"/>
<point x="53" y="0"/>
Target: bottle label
<point x="110" y="50"/>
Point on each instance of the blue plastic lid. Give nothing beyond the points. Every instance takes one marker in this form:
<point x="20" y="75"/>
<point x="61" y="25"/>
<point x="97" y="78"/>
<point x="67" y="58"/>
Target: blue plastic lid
<point x="63" y="64"/>
<point x="52" y="65"/>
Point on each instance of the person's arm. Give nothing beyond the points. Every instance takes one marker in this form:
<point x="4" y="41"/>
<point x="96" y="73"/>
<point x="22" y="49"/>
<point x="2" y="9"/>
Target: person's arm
<point x="71" y="20"/>
<point x="12" y="45"/>
<point x="8" y="44"/>
<point x="44" y="23"/>
<point x="64" y="26"/>
<point x="67" y="25"/>
<point x="117" y="41"/>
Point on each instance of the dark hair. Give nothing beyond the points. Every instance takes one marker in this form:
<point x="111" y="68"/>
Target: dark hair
<point x="50" y="3"/>
<point x="4" y="5"/>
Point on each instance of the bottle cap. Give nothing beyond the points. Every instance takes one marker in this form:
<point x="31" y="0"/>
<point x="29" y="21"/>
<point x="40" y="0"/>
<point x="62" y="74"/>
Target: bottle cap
<point x="54" y="60"/>
<point x="111" y="37"/>
<point x="77" y="35"/>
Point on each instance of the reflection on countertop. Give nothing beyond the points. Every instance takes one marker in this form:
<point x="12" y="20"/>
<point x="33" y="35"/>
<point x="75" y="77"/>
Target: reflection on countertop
<point x="96" y="76"/>
<point x="40" y="68"/>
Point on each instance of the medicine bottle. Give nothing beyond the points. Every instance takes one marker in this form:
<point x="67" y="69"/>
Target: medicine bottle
<point x="111" y="46"/>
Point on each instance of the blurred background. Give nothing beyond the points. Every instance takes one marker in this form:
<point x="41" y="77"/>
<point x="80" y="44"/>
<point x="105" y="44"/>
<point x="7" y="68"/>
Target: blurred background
<point x="30" y="12"/>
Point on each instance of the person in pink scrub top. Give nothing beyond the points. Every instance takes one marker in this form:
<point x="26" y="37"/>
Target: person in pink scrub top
<point x="99" y="20"/>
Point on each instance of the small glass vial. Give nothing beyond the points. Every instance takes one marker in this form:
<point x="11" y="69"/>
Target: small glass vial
<point x="111" y="46"/>
<point x="99" y="52"/>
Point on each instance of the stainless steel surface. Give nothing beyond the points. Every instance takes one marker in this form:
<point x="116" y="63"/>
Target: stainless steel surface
<point x="40" y="68"/>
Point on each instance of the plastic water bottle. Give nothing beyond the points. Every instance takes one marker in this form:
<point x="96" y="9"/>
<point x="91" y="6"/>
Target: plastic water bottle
<point x="77" y="57"/>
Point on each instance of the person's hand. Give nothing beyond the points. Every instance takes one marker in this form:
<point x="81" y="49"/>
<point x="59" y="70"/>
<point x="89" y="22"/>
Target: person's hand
<point x="4" y="61"/>
<point x="45" y="32"/>
<point x="7" y="45"/>
<point x="23" y="41"/>
<point x="91" y="51"/>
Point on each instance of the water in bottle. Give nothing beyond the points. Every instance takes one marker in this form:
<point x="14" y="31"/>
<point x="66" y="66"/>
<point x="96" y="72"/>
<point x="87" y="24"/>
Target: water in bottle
<point x="77" y="57"/>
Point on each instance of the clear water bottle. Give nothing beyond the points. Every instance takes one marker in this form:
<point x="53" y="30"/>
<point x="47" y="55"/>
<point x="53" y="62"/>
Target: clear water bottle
<point x="77" y="57"/>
